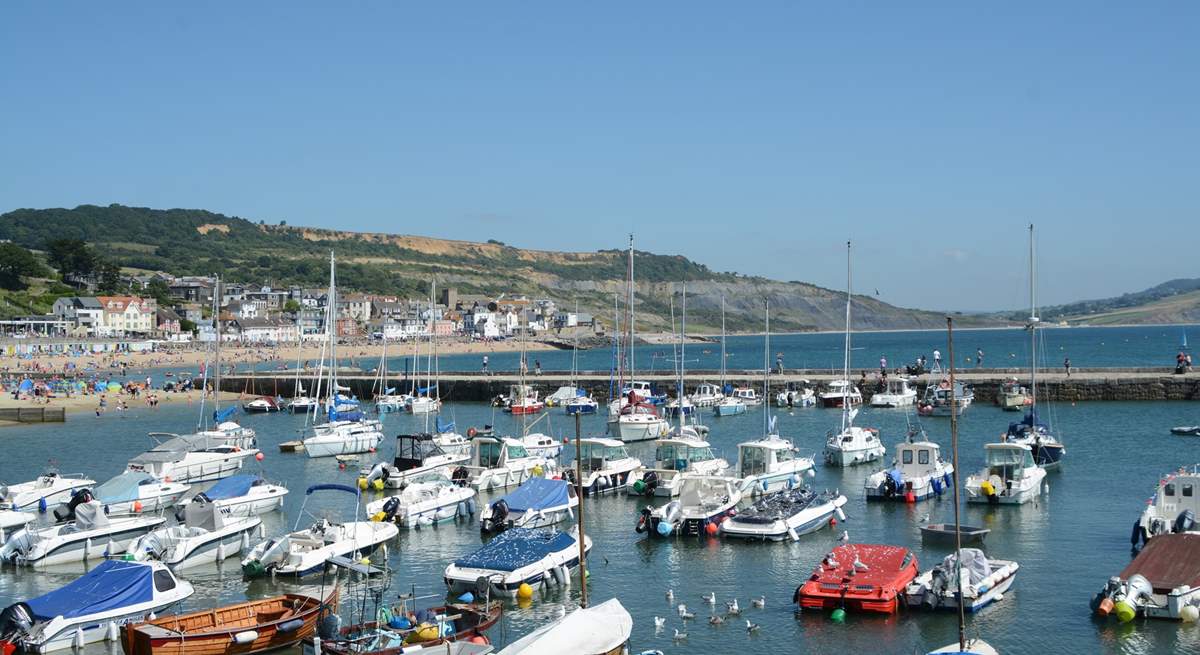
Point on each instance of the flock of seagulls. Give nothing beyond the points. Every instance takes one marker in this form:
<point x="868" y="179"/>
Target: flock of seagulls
<point x="732" y="608"/>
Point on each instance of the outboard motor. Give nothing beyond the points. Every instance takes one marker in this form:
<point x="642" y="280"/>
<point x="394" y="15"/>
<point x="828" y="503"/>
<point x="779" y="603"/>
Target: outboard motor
<point x="15" y="622"/>
<point x="937" y="585"/>
<point x="1185" y="522"/>
<point x="67" y="512"/>
<point x="889" y="485"/>
<point x="388" y="512"/>
<point x="460" y="476"/>
<point x="651" y="482"/>
<point x="496" y="522"/>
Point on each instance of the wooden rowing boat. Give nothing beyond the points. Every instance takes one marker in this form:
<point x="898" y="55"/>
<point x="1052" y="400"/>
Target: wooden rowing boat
<point x="470" y="621"/>
<point x="251" y="627"/>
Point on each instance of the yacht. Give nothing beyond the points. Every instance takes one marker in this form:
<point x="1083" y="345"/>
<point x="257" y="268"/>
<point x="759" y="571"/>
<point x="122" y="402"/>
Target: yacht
<point x="673" y="458"/>
<point x="770" y="464"/>
<point x="501" y="462"/>
<point x="898" y="393"/>
<point x="640" y="422"/>
<point x="193" y="458"/>
<point x="48" y="489"/>
<point x="703" y="503"/>
<point x="242" y="496"/>
<point x="205" y="536"/>
<point x="1010" y="477"/>
<point x="838" y="392"/>
<point x="605" y="465"/>
<point x="917" y="473"/>
<point x="344" y="436"/>
<point x="787" y="514"/>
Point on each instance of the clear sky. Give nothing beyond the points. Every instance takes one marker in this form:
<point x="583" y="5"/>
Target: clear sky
<point x="754" y="137"/>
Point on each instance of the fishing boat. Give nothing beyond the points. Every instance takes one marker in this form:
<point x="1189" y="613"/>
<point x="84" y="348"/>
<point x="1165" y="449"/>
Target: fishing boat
<point x="254" y="626"/>
<point x="242" y="496"/>
<point x="523" y="399"/>
<point x="91" y="608"/>
<point x="675" y="457"/>
<point x="11" y="521"/>
<point x="261" y="405"/>
<point x="796" y="394"/>
<point x="840" y="393"/>
<point x="515" y="557"/>
<point x="426" y="500"/>
<point x="748" y="395"/>
<point x="500" y="463"/>
<point x="603" y="629"/>
<point x="899" y="392"/>
<point x="303" y="552"/>
<point x="729" y="406"/>
<point x="205" y="536"/>
<point x="1013" y="396"/>
<point x="917" y="473"/>
<point x="674" y="406"/>
<point x="939" y="399"/>
<point x="706" y="395"/>
<point x="703" y="503"/>
<point x="416" y="456"/>
<point x="1162" y="582"/>
<point x="192" y="458"/>
<point x="43" y="492"/>
<point x="541" y="445"/>
<point x="1173" y="507"/>
<point x="90" y="534"/>
<point x="983" y="581"/>
<point x="1010" y="477"/>
<point x="399" y="629"/>
<point x="605" y="466"/>
<point x="859" y="578"/>
<point x="787" y="514"/>
<point x="537" y="503"/>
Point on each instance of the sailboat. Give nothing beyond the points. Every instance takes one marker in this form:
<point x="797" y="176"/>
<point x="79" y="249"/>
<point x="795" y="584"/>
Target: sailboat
<point x="964" y="644"/>
<point x="427" y="399"/>
<point x="1031" y="431"/>
<point x="386" y="398"/>
<point x="301" y="402"/>
<point x="637" y="419"/>
<point x="726" y="404"/>
<point x="853" y="445"/>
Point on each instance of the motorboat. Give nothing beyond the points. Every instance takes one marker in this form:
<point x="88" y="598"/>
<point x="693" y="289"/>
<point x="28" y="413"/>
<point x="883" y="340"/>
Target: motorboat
<point x="537" y="503"/>
<point x="192" y="458"/>
<point x="729" y="406"/>
<point x="917" y="473"/>
<point x="205" y="536"/>
<point x="602" y="629"/>
<point x="248" y="627"/>
<point x="223" y="432"/>
<point x="542" y="445"/>
<point x="674" y="406"/>
<point x="1173" y="507"/>
<point x="523" y="399"/>
<point x="426" y="500"/>
<point x="983" y="582"/>
<point x="537" y="558"/>
<point x="423" y="405"/>
<point x="564" y="395"/>
<point x="787" y="514"/>
<point x="303" y="552"/>
<point x="640" y="422"/>
<point x="1010" y="477"/>
<point x="645" y="392"/>
<point x="838" y="391"/>
<point x="242" y="496"/>
<point x="1186" y="430"/>
<point x="11" y="521"/>
<point x="796" y="394"/>
<point x="967" y="646"/>
<point x="456" y="629"/>
<point x="704" y="502"/>
<point x="261" y="405"/>
<point x="500" y="463"/>
<point x="941" y="399"/>
<point x="89" y="535"/>
<point x="91" y="608"/>
<point x="1048" y="451"/>
<point x="770" y="464"/>
<point x="748" y="395"/>
<point x="675" y="458"/>
<point x="581" y="405"/>
<point x="416" y="456"/>
<point x="136" y="493"/>
<point x="605" y="466"/>
<point x="344" y="437"/>
<point x="899" y="392"/>
<point x="1013" y="396"/>
<point x="852" y="446"/>
<point x="944" y="534"/>
<point x="1162" y="582"/>
<point x="43" y="492"/>
<point x="706" y="394"/>
<point x="389" y="401"/>
<point x="859" y="578"/>
<point x="453" y="443"/>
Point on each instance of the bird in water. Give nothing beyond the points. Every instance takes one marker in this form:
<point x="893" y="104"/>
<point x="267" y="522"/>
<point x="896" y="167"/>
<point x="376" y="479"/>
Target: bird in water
<point x="732" y="607"/>
<point x="710" y="598"/>
<point x="845" y="538"/>
<point x="759" y="602"/>
<point x="684" y="613"/>
<point x="680" y="636"/>
<point x="659" y="623"/>
<point x="715" y="620"/>
<point x="670" y="594"/>
<point x="751" y="627"/>
<point x="925" y="519"/>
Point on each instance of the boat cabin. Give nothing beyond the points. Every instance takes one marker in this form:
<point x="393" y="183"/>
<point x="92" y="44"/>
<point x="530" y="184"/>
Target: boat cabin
<point x="1008" y="461"/>
<point x="746" y="394"/>
<point x="494" y="452"/>
<point x="643" y="389"/>
<point x="762" y="457"/>
<point x="1178" y="492"/>
<point x="940" y="394"/>
<point x="797" y="386"/>
<point x="413" y="449"/>
<point x="898" y="386"/>
<point x="680" y="454"/>
<point x="918" y="458"/>
<point x="597" y="454"/>
<point x="708" y="390"/>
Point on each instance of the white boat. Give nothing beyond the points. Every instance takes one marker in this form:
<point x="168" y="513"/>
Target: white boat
<point x="1172" y="509"/>
<point x="640" y="422"/>
<point x="770" y="464"/>
<point x="417" y="455"/>
<point x="983" y="581"/>
<point x="729" y="406"/>
<point x="581" y="405"/>
<point x="703" y="503"/>
<point x="192" y="458"/>
<point x="11" y="521"/>
<point x="90" y="535"/>
<point x="537" y="503"/>
<point x="787" y="514"/>
<point x="853" y="446"/>
<point x="242" y="496"/>
<point x="426" y="500"/>
<point x="796" y="394"/>
<point x="344" y="437"/>
<point x="519" y="556"/>
<point x="597" y="630"/>
<point x="939" y="399"/>
<point x="206" y="536"/>
<point x="706" y="395"/>
<point x="899" y="393"/>
<point x="303" y="552"/>
<point x="1013" y="396"/>
<point x="674" y="460"/>
<point x="452" y="442"/>
<point x="47" y="490"/>
<point x="748" y="395"/>
<point x="605" y="465"/>
<point x="917" y="473"/>
<point x="135" y="493"/>
<point x="1162" y="582"/>
<point x="542" y="445"/>
<point x="672" y="407"/>
<point x="93" y="607"/>
<point x="302" y="404"/>
<point x="1011" y="476"/>
<point x="423" y="405"/>
<point x="562" y="395"/>
<point x="502" y="462"/>
<point x="838" y="391"/>
<point x="261" y="405"/>
<point x="970" y="646"/>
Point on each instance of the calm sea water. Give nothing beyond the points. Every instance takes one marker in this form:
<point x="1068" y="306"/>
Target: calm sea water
<point x="1068" y="543"/>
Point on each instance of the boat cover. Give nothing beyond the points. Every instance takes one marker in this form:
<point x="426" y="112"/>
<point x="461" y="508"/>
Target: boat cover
<point x="231" y="487"/>
<point x="516" y="548"/>
<point x="444" y="427"/>
<point x="112" y="585"/>
<point x="537" y="494"/>
<point x="351" y="415"/>
<point x="90" y="516"/>
<point x="974" y="563"/>
<point x="598" y="629"/>
<point x="224" y="414"/>
<point x="122" y="488"/>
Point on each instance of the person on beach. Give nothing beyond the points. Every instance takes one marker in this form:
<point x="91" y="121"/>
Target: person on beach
<point x="1067" y="366"/>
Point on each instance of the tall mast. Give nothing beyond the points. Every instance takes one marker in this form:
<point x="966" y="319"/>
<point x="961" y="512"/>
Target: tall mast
<point x="722" y="343"/>
<point x="962" y="614"/>
<point x="437" y="372"/>
<point x="682" y="356"/>
<point x="767" y="369"/>
<point x="847" y="419"/>
<point x="217" y="353"/>
<point x="331" y="330"/>
<point x="629" y="344"/>
<point x="1033" y="321"/>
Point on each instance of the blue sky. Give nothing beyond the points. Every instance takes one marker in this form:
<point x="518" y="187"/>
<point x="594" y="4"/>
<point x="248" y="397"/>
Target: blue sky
<point x="755" y="138"/>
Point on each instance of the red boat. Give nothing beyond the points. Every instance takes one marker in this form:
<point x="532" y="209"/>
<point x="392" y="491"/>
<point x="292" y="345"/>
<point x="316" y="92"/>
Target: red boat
<point x="860" y="578"/>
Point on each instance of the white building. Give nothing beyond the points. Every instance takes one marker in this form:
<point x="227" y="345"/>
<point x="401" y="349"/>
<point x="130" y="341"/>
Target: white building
<point x="127" y="315"/>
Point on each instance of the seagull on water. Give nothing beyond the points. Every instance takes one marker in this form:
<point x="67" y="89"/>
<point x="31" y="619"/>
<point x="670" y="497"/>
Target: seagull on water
<point x="680" y="636"/>
<point x="759" y="602"/>
<point x="732" y="607"/>
<point x="684" y="613"/>
<point x="751" y="627"/>
<point x="659" y="623"/>
<point x="715" y="620"/>
<point x="670" y="594"/>
<point x="845" y="538"/>
<point x="710" y="598"/>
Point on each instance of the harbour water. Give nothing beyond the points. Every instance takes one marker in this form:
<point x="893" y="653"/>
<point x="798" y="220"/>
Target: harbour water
<point x="1068" y="543"/>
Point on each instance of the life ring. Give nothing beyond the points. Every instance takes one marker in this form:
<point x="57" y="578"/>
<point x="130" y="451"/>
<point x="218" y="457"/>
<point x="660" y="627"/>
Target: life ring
<point x="471" y="432"/>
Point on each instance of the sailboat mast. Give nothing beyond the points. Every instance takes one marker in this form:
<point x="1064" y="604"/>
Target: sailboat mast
<point x="331" y="329"/>
<point x="722" y="343"/>
<point x="846" y="418"/>
<point x="682" y="356"/>
<point x="962" y="617"/>
<point x="217" y="354"/>
<point x="1033" y="321"/>
<point x="767" y="369"/>
<point x="629" y="344"/>
<point x="437" y="371"/>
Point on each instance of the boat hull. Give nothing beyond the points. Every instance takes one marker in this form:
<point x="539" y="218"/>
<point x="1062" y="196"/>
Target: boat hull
<point x="334" y="444"/>
<point x="844" y="458"/>
<point x="631" y="431"/>
<point x="84" y="546"/>
<point x="807" y="521"/>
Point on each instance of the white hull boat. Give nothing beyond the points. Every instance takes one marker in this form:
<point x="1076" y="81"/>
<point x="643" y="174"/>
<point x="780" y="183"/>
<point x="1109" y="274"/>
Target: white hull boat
<point x="674" y="459"/>
<point x="500" y="463"/>
<point x="917" y="473"/>
<point x="785" y="515"/>
<point x="137" y="493"/>
<point x="704" y="502"/>
<point x="11" y="521"/>
<point x="796" y="395"/>
<point x="640" y="427"/>
<point x="1173" y="508"/>
<point x="899" y="393"/>
<point x="426" y="501"/>
<point x="706" y="395"/>
<point x="770" y="464"/>
<point x="47" y="490"/>
<point x="839" y="392"/>
<point x="242" y="496"/>
<point x="1011" y="476"/>
<point x="542" y="445"/>
<point x="417" y="456"/>
<point x="424" y="405"/>
<point x="538" y="503"/>
<point x="205" y="537"/>
<point x="984" y="581"/>
<point x="92" y="535"/>
<point x="853" y="446"/>
<point x="605" y="465"/>
<point x="193" y="458"/>
<point x="344" y="438"/>
<point x="519" y="556"/>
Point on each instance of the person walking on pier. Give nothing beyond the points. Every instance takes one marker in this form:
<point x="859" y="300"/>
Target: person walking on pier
<point x="937" y="360"/>
<point x="485" y="366"/>
<point x="883" y="365"/>
<point x="537" y="367"/>
<point x="1067" y="365"/>
<point x="979" y="358"/>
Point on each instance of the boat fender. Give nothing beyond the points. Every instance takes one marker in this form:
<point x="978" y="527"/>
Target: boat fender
<point x="78" y="641"/>
<point x="460" y="509"/>
<point x="111" y="632"/>
<point x="937" y="486"/>
<point x="790" y="483"/>
<point x="946" y="480"/>
<point x="1189" y="613"/>
<point x="471" y="432"/>
<point x="987" y="488"/>
<point x="565" y="575"/>
<point x="556" y="575"/>
<point x="245" y="637"/>
<point x="664" y="528"/>
<point x="1138" y="534"/>
<point x="42" y="505"/>
<point x="290" y="626"/>
<point x="841" y="516"/>
<point x="793" y="534"/>
<point x="1184" y="522"/>
<point x="471" y="506"/>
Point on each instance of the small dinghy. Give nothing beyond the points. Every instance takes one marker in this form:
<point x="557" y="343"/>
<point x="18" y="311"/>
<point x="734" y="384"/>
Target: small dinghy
<point x="943" y="534"/>
<point x="47" y="490"/>
<point x="1162" y="582"/>
<point x="205" y="536"/>
<point x="11" y="521"/>
<point x="91" y="534"/>
<point x="983" y="581"/>
<point x="515" y="557"/>
<point x="859" y="578"/>
<point x="135" y="493"/>
<point x="243" y="496"/>
<point x="91" y="608"/>
<point x="427" y="500"/>
<point x="704" y="503"/>
<point x="537" y="503"/>
<point x="785" y="515"/>
<point x="1187" y="430"/>
<point x="243" y="628"/>
<point x="603" y="629"/>
<point x="401" y="630"/>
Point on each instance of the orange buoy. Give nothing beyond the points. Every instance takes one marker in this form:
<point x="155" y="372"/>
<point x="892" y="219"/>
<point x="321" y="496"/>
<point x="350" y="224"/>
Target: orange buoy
<point x="258" y="456"/>
<point x="137" y="505"/>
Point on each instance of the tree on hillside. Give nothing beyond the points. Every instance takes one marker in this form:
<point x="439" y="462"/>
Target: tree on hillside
<point x="73" y="258"/>
<point x="16" y="263"/>
<point x="108" y="277"/>
<point x="291" y="306"/>
<point x="158" y="290"/>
